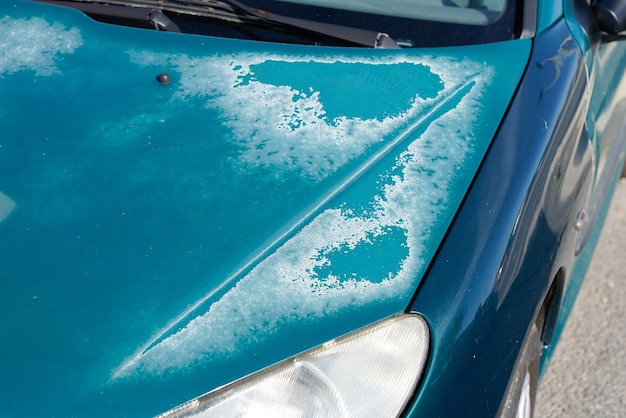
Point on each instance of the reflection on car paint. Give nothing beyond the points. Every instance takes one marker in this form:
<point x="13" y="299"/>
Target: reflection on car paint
<point x="567" y="49"/>
<point x="6" y="206"/>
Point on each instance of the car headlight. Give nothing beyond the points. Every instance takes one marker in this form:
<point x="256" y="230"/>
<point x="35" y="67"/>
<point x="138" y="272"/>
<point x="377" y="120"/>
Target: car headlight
<point x="371" y="372"/>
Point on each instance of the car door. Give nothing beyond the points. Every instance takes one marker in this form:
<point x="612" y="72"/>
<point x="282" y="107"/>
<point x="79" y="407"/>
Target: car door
<point x="605" y="57"/>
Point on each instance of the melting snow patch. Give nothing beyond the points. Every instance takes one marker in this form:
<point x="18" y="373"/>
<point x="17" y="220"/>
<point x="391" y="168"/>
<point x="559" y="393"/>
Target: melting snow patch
<point x="289" y="129"/>
<point x="34" y="44"/>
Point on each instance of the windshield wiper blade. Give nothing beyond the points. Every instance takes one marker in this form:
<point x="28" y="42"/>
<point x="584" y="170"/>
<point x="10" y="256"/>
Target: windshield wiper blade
<point x="235" y="11"/>
<point x="361" y="37"/>
<point x="151" y="15"/>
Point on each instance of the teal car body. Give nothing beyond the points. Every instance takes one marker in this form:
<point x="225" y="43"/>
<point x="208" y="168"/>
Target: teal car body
<point x="180" y="211"/>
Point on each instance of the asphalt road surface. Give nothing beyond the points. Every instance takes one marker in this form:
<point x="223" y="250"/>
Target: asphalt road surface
<point x="587" y="374"/>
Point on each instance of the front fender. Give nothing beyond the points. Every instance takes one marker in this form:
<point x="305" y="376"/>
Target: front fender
<point x="514" y="233"/>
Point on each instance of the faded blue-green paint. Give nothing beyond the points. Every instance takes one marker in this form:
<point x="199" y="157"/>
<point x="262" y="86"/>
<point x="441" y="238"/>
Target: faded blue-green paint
<point x="160" y="240"/>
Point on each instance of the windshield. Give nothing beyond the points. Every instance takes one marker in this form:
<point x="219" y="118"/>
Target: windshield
<point x="466" y="12"/>
<point x="410" y="23"/>
<point x="413" y="23"/>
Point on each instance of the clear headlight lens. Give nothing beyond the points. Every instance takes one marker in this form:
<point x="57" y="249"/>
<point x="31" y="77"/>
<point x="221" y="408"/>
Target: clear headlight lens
<point x="372" y="372"/>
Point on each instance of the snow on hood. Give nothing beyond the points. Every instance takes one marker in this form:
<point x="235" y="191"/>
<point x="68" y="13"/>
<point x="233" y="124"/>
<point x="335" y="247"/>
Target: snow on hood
<point x="290" y="129"/>
<point x="34" y="44"/>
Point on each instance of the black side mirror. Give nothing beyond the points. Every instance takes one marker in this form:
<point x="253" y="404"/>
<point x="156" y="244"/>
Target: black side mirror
<point x="611" y="15"/>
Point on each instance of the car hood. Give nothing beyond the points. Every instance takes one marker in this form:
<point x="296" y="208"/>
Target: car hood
<point x="158" y="240"/>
